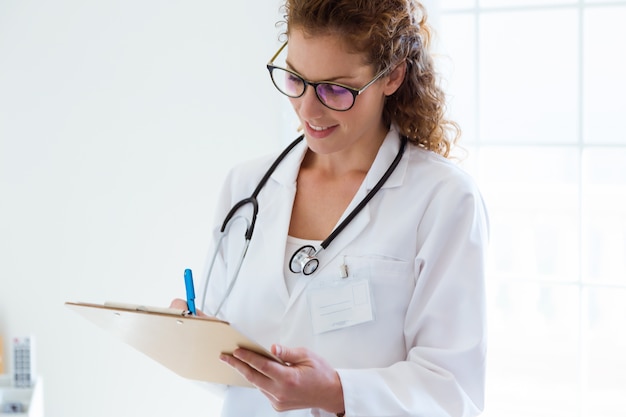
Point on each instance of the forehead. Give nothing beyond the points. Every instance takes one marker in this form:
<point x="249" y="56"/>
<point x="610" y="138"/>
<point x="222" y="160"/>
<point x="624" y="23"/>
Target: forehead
<point x="324" y="56"/>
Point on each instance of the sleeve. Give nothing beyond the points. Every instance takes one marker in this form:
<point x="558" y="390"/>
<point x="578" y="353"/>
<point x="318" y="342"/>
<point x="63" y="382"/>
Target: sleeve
<point x="445" y="323"/>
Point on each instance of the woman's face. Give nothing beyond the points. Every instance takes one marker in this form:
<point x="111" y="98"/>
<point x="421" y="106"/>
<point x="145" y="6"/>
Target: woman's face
<point x="325" y="58"/>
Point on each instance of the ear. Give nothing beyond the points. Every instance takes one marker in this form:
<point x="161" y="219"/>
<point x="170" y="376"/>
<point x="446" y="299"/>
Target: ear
<point x="395" y="78"/>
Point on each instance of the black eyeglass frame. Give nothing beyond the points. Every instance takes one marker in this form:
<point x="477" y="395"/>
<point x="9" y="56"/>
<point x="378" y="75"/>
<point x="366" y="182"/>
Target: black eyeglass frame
<point x="354" y="91"/>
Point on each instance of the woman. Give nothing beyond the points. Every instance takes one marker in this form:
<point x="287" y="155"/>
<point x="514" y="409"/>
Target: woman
<point x="408" y="267"/>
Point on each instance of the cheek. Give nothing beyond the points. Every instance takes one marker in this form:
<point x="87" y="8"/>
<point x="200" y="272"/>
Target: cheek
<point x="368" y="109"/>
<point x="294" y="103"/>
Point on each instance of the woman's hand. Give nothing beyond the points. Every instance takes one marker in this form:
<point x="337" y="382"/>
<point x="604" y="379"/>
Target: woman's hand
<point x="307" y="381"/>
<point x="181" y="304"/>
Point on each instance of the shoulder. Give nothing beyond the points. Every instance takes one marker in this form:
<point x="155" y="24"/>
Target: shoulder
<point x="240" y="182"/>
<point x="442" y="191"/>
<point x="249" y="171"/>
<point x="244" y="177"/>
<point x="438" y="176"/>
<point x="455" y="205"/>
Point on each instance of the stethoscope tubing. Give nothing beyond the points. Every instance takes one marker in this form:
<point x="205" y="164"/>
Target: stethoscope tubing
<point x="253" y="197"/>
<point x="223" y="233"/>
<point x="367" y="198"/>
<point x="304" y="260"/>
<point x="230" y="219"/>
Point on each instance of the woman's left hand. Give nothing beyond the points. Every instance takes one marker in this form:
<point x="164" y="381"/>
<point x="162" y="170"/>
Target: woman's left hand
<point x="307" y="381"/>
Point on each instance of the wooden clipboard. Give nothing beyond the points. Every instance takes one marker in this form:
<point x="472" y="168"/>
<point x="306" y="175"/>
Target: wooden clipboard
<point x="188" y="345"/>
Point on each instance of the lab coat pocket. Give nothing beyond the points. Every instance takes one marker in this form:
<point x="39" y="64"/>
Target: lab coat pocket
<point x="391" y="282"/>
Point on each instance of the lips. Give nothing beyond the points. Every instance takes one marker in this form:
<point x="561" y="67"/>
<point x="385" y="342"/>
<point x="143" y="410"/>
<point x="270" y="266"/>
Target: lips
<point x="319" y="132"/>
<point x="318" y="128"/>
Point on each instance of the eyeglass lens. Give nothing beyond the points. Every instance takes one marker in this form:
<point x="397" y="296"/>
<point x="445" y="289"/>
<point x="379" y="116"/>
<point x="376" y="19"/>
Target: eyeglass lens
<point x="331" y="95"/>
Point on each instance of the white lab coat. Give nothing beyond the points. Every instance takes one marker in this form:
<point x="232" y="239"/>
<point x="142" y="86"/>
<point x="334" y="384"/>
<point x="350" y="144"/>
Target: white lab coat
<point x="420" y="242"/>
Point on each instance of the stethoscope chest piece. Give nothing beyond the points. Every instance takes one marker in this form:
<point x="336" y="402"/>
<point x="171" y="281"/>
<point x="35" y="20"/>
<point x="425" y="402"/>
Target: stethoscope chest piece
<point x="304" y="261"/>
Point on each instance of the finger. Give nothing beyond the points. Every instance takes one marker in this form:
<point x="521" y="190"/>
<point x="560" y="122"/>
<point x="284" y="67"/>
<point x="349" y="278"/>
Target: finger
<point x="257" y="361"/>
<point x="251" y="374"/>
<point x="178" y="304"/>
<point x="181" y="304"/>
<point x="290" y="355"/>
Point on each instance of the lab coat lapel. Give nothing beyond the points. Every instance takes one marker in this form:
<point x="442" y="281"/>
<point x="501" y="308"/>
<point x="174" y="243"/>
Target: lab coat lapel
<point x="276" y="202"/>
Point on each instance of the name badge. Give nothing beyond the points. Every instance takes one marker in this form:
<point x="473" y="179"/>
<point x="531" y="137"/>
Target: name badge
<point x="339" y="305"/>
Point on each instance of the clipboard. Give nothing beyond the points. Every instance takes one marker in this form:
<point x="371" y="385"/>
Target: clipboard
<point x="190" y="346"/>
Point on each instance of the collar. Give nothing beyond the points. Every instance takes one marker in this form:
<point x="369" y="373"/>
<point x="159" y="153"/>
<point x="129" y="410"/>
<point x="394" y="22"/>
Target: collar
<point x="386" y="154"/>
<point x="287" y="171"/>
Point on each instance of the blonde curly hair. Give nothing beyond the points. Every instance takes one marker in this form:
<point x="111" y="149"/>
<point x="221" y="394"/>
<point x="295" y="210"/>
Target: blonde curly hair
<point x="388" y="32"/>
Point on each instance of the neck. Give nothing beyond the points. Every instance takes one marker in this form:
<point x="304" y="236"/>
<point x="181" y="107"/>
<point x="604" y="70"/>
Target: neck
<point x="355" y="159"/>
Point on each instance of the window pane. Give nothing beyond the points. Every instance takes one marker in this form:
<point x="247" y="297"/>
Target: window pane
<point x="533" y="350"/>
<point x="515" y="3"/>
<point x="468" y="158"/>
<point x="604" y="215"/>
<point x="458" y="68"/>
<point x="556" y="276"/>
<point x="532" y="197"/>
<point x="457" y="4"/>
<point x="529" y="77"/>
<point x="605" y="344"/>
<point x="604" y="69"/>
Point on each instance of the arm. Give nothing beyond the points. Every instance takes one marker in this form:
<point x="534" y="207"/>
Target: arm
<point x="443" y="374"/>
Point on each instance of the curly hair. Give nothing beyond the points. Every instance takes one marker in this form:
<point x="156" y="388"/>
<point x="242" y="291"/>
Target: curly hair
<point x="388" y="32"/>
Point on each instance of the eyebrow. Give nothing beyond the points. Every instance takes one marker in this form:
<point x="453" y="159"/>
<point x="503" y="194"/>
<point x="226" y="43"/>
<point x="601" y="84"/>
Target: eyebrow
<point x="332" y="80"/>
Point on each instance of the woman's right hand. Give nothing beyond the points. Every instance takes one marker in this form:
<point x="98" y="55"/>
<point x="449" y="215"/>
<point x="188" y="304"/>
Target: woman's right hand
<point x="181" y="304"/>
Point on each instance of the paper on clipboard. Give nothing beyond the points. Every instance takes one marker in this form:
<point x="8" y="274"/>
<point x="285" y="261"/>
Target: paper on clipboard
<point x="188" y="345"/>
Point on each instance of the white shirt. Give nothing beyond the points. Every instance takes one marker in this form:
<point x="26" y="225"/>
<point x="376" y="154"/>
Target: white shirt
<point x="420" y="243"/>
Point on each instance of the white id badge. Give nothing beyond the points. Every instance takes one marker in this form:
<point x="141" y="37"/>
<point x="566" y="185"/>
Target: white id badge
<point x="339" y="305"/>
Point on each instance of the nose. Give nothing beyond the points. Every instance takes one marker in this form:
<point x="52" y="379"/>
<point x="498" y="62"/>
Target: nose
<point x="308" y="105"/>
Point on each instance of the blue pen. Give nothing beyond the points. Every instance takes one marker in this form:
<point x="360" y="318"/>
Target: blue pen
<point x="191" y="294"/>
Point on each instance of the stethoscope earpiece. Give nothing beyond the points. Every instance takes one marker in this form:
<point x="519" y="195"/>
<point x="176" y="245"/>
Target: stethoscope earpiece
<point x="304" y="260"/>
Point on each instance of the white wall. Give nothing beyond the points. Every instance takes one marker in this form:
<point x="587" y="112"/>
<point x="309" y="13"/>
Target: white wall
<point x="118" y="120"/>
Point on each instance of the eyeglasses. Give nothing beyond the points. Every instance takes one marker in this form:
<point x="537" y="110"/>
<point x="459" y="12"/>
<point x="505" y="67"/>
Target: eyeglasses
<point x="335" y="96"/>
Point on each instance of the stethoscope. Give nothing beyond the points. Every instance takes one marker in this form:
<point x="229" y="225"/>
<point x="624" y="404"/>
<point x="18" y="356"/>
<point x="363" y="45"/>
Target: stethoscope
<point x="305" y="259"/>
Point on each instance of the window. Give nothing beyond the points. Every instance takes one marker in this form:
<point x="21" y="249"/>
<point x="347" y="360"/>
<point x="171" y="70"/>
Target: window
<point x="539" y="88"/>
